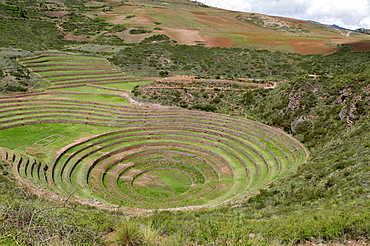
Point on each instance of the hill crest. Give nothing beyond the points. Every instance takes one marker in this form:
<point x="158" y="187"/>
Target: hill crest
<point x="193" y="23"/>
<point x="115" y="22"/>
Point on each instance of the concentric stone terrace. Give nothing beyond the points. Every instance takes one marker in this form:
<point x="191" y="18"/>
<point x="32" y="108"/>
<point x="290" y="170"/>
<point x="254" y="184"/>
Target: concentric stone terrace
<point x="67" y="71"/>
<point x="136" y="156"/>
<point x="161" y="157"/>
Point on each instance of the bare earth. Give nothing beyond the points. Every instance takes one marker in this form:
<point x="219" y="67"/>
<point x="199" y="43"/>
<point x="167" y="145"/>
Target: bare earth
<point x="76" y="38"/>
<point x="183" y="36"/>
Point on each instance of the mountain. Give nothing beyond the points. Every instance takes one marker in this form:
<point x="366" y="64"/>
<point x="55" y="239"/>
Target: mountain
<point x="333" y="25"/>
<point x="338" y="27"/>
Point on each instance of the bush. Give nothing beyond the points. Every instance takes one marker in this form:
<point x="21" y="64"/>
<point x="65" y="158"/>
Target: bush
<point x="139" y="31"/>
<point x="127" y="233"/>
<point x="108" y="40"/>
<point x="163" y="73"/>
<point x="117" y="28"/>
<point x="206" y="107"/>
<point x="156" y="38"/>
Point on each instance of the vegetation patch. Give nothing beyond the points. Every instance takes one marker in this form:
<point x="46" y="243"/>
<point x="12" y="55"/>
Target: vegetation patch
<point x="79" y="24"/>
<point x="159" y="38"/>
<point x="234" y="63"/>
<point x="139" y="31"/>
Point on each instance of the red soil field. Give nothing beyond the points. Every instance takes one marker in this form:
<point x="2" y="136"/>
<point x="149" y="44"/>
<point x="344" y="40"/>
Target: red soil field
<point x="214" y="19"/>
<point x="77" y="38"/>
<point x="218" y="42"/>
<point x="198" y="13"/>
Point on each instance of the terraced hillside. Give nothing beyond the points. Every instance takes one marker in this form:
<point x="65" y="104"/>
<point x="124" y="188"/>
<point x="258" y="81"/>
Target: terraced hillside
<point x="73" y="71"/>
<point x="97" y="148"/>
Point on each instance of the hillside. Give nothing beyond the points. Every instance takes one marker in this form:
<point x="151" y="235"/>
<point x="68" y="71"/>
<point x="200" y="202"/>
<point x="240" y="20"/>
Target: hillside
<point x="143" y="122"/>
<point x="108" y="22"/>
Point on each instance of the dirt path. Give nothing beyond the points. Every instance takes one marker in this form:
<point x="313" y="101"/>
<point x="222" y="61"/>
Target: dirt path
<point x="190" y="79"/>
<point x="199" y="87"/>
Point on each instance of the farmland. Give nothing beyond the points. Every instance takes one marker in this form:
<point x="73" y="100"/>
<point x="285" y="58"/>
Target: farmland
<point x="218" y="158"/>
<point x="118" y="23"/>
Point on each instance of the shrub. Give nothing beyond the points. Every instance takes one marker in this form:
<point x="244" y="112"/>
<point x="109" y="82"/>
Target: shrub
<point x="139" y="31"/>
<point x="117" y="28"/>
<point x="127" y="233"/>
<point x="163" y="73"/>
<point x="156" y="38"/>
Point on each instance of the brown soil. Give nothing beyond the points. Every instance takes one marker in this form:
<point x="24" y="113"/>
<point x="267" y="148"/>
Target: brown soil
<point x="361" y="45"/>
<point x="30" y="152"/>
<point x="218" y="42"/>
<point x="77" y="38"/>
<point x="198" y="13"/>
<point x="183" y="36"/>
<point x="311" y="47"/>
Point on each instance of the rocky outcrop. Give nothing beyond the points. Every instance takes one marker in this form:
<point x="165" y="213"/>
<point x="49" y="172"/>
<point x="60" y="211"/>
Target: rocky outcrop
<point x="294" y="100"/>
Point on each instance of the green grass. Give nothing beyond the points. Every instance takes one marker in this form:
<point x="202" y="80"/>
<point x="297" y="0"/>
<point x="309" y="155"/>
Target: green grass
<point x="73" y="72"/>
<point x="66" y="67"/>
<point x="162" y="184"/>
<point x="61" y="57"/>
<point x="23" y="139"/>
<point x="128" y="86"/>
<point x="235" y="188"/>
<point x="96" y="98"/>
<point x="88" y="89"/>
<point x="78" y="77"/>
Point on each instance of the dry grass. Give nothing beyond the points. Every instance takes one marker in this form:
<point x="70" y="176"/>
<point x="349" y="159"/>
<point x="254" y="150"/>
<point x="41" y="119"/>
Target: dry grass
<point x="193" y="25"/>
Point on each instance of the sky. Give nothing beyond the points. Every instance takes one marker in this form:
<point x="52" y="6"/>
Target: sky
<point x="351" y="14"/>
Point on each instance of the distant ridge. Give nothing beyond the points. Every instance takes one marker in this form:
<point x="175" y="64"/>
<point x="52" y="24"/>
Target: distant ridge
<point x="333" y="25"/>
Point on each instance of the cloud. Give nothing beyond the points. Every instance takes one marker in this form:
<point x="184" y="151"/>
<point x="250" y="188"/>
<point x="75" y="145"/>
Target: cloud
<point x="350" y="14"/>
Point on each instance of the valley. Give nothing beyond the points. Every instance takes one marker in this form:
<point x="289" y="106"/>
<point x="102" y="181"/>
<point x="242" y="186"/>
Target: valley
<point x="143" y="122"/>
